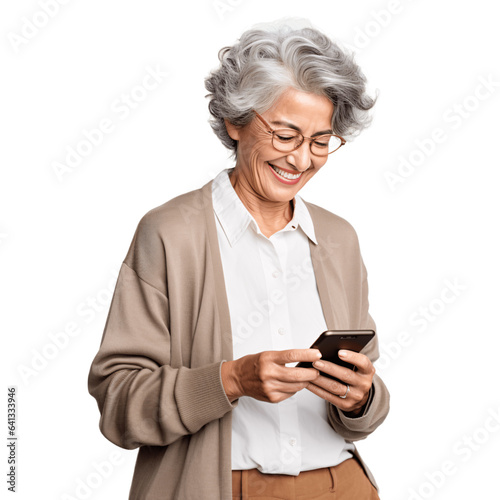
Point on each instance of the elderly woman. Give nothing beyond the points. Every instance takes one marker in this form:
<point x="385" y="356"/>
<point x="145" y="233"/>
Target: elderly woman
<point x="224" y="288"/>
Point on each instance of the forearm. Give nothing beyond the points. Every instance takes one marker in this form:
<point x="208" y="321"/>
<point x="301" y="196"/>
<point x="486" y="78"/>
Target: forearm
<point x="156" y="407"/>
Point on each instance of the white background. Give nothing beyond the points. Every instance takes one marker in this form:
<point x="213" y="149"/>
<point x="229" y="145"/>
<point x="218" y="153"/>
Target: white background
<point x="62" y="239"/>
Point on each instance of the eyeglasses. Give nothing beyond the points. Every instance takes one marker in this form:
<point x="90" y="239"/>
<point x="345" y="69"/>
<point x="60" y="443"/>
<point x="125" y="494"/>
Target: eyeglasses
<point x="287" y="140"/>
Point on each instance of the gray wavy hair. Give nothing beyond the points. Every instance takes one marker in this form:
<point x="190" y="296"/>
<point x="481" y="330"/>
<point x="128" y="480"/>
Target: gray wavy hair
<point x="255" y="71"/>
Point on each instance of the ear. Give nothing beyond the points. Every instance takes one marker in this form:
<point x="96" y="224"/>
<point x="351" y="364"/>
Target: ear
<point x="232" y="130"/>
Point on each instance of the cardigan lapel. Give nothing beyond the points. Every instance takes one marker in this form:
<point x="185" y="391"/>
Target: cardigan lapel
<point x="323" y="291"/>
<point x="326" y="260"/>
<point x="218" y="274"/>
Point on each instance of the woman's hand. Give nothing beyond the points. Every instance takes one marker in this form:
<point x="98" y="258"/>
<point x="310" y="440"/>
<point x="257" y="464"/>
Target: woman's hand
<point x="359" y="381"/>
<point x="265" y="377"/>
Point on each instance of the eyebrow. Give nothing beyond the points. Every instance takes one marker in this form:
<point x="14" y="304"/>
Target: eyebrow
<point x="294" y="127"/>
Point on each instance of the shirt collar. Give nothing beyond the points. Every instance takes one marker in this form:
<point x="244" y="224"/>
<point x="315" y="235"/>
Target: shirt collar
<point x="235" y="218"/>
<point x="303" y="218"/>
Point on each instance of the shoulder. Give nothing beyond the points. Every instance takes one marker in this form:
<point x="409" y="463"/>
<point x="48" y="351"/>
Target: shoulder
<point x="184" y="210"/>
<point x="330" y="227"/>
<point x="168" y="232"/>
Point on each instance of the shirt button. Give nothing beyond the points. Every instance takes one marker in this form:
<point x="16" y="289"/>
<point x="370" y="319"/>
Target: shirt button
<point x="281" y="331"/>
<point x="276" y="274"/>
<point x="292" y="441"/>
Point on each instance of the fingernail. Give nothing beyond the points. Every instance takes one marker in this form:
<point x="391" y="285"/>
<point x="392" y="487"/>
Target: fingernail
<point x="342" y="353"/>
<point x="318" y="364"/>
<point x="318" y="353"/>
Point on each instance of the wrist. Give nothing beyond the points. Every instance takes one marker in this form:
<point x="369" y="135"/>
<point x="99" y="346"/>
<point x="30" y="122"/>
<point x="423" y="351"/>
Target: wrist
<point x="358" y="411"/>
<point x="230" y="381"/>
<point x="354" y="413"/>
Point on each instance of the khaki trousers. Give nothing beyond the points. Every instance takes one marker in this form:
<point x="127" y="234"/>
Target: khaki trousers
<point x="346" y="481"/>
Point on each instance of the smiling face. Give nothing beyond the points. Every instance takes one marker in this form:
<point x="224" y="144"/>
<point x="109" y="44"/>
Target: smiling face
<point x="267" y="174"/>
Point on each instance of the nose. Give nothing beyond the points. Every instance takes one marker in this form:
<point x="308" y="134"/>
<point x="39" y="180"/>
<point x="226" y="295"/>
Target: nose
<point x="301" y="157"/>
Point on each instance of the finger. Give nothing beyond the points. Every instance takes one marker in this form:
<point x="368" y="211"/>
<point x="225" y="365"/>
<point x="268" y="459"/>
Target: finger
<point x="293" y="374"/>
<point x="332" y="386"/>
<point x="359" y="384"/>
<point x="354" y="399"/>
<point x="343" y="404"/>
<point x="296" y="355"/>
<point x="346" y="375"/>
<point x="360" y="361"/>
<point x="275" y="391"/>
<point x="290" y="387"/>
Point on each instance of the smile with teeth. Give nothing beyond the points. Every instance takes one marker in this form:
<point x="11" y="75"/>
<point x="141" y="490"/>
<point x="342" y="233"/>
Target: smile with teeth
<point x="284" y="174"/>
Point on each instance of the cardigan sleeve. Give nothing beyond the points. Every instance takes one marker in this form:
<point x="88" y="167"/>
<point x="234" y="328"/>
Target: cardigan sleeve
<point x="141" y="398"/>
<point x="377" y="407"/>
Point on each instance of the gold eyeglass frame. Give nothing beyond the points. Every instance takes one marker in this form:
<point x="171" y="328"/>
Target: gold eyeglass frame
<point x="310" y="139"/>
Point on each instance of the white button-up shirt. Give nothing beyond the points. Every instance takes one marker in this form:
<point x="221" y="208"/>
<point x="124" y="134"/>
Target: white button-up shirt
<point x="274" y="305"/>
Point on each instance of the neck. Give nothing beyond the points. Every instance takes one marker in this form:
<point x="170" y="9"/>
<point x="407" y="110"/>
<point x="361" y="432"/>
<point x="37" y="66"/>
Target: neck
<point x="271" y="216"/>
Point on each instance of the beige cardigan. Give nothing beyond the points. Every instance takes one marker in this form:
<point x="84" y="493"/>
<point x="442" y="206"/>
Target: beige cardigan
<point x="156" y="376"/>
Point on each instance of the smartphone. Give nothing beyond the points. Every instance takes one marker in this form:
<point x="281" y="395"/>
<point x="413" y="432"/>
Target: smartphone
<point x="331" y="341"/>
